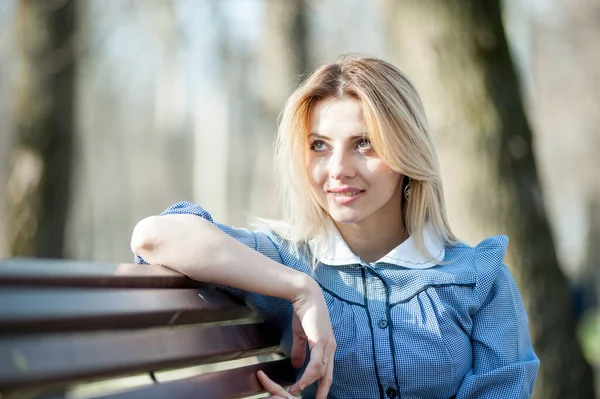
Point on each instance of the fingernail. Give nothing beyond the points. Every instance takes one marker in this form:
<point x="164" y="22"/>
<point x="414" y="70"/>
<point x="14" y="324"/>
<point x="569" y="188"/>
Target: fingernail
<point x="296" y="389"/>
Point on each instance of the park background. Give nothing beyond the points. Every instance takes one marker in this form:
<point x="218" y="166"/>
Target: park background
<point x="112" y="110"/>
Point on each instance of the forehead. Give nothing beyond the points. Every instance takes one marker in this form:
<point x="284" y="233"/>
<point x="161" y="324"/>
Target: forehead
<point x="334" y="117"/>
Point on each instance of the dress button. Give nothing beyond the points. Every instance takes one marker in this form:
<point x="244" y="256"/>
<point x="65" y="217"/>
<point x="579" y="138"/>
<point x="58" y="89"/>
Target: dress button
<point x="391" y="393"/>
<point x="383" y="323"/>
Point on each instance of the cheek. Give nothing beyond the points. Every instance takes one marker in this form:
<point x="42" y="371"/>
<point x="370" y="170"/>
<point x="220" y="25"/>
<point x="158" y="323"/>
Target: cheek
<point x="385" y="179"/>
<point x="317" y="170"/>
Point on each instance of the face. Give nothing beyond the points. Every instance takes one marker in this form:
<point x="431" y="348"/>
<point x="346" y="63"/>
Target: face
<point x="354" y="185"/>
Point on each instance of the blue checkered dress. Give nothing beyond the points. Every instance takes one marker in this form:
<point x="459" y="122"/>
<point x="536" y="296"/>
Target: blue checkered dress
<point x="406" y="328"/>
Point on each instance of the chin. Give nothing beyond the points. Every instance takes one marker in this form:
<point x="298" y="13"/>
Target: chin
<point x="346" y="218"/>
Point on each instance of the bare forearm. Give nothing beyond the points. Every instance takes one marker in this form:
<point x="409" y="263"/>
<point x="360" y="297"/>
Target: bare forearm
<point x="198" y="249"/>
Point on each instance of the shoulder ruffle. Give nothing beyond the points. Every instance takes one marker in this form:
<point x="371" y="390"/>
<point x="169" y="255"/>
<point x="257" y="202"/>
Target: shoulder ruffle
<point x="489" y="261"/>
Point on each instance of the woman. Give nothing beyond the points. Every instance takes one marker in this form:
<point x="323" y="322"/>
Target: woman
<point x="364" y="266"/>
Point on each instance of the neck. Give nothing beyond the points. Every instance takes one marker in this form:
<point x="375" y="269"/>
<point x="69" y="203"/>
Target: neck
<point x="372" y="241"/>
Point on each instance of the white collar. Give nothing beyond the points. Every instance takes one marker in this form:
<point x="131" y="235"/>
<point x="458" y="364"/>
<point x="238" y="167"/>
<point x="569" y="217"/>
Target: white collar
<point x="337" y="252"/>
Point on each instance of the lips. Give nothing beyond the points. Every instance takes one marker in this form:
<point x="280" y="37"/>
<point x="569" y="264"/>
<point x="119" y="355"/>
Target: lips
<point x="345" y="195"/>
<point x="345" y="190"/>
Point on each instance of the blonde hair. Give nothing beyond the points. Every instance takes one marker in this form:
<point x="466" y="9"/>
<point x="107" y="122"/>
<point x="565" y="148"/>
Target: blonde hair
<point x="397" y="127"/>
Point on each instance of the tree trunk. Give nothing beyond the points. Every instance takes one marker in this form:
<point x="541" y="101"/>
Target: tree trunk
<point x="283" y="59"/>
<point x="566" y="119"/>
<point x="457" y="54"/>
<point x="38" y="181"/>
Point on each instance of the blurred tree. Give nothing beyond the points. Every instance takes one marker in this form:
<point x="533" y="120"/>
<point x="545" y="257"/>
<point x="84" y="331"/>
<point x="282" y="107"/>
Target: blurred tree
<point x="566" y="119"/>
<point x="283" y="58"/>
<point x="457" y="53"/>
<point x="285" y="32"/>
<point x="37" y="192"/>
<point x="8" y="51"/>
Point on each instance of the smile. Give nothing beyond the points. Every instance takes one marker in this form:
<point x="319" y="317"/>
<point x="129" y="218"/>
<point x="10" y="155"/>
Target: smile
<point x="346" y="196"/>
<point x="347" y="193"/>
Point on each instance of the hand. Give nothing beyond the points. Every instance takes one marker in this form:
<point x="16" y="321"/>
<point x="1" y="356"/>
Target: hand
<point x="276" y="390"/>
<point x="311" y="324"/>
<point x="298" y="356"/>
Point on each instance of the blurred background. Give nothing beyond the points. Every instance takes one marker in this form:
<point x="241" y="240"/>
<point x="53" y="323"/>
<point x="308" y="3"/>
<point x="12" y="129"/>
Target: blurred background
<point x="111" y="111"/>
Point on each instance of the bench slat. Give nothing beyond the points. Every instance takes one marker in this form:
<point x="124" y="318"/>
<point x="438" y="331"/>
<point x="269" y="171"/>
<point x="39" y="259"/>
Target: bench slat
<point x="70" y="273"/>
<point x="236" y="383"/>
<point x="27" y="310"/>
<point x="46" y="360"/>
<point x="65" y="322"/>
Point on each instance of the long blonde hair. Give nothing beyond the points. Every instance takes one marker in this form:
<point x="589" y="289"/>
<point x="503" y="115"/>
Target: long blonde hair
<point x="397" y="127"/>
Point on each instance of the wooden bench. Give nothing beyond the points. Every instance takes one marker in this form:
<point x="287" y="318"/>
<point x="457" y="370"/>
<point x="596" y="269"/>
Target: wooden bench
<point x="65" y="322"/>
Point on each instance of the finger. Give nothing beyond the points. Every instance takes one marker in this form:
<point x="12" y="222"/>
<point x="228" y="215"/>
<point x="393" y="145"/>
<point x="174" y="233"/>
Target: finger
<point x="271" y="386"/>
<point x="314" y="370"/>
<point x="298" y="354"/>
<point x="326" y="381"/>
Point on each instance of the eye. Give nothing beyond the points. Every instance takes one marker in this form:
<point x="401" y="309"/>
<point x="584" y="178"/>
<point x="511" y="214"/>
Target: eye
<point x="318" y="146"/>
<point x="364" y="144"/>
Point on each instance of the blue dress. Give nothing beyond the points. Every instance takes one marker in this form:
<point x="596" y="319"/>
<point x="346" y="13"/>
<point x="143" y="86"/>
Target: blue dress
<point x="407" y="327"/>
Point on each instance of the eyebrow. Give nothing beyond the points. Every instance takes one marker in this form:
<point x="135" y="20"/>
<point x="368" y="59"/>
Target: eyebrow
<point x="354" y="137"/>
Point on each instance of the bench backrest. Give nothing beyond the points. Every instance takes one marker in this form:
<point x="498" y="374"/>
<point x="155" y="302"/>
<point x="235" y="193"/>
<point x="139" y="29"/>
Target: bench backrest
<point x="65" y="322"/>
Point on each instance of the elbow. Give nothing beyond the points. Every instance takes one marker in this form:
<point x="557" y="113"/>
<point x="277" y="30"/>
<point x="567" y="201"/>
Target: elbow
<point x="173" y="241"/>
<point x="146" y="237"/>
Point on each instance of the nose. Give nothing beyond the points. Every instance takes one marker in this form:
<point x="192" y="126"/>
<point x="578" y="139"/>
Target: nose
<point x="341" y="165"/>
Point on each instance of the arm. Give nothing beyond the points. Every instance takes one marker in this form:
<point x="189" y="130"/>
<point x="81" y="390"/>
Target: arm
<point x="504" y="363"/>
<point x="197" y="248"/>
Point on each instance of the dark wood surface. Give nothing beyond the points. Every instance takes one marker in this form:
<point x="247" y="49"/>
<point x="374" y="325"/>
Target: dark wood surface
<point x="69" y="273"/>
<point x="64" y="322"/>
<point x="235" y="383"/>
<point x="49" y="359"/>
<point x="29" y="310"/>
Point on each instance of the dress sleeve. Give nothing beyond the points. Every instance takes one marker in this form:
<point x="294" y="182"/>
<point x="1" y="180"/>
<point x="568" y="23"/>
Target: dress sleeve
<point x="504" y="363"/>
<point x="267" y="307"/>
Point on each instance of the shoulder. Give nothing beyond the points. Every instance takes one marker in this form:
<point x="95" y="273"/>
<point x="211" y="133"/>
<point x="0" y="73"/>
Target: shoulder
<point x="268" y="235"/>
<point x="283" y="244"/>
<point x="295" y="255"/>
<point x="484" y="258"/>
<point x="484" y="262"/>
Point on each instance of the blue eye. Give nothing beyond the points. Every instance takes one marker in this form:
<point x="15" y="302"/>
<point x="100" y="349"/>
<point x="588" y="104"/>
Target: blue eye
<point x="364" y="144"/>
<point x="318" y="145"/>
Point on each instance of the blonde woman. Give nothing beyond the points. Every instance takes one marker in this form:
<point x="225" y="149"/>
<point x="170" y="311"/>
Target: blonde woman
<point x="364" y="267"/>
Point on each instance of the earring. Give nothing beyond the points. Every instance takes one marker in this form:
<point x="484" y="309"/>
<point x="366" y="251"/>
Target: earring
<point x="407" y="189"/>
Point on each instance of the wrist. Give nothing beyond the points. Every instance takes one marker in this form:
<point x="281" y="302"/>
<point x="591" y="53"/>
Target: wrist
<point x="304" y="287"/>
